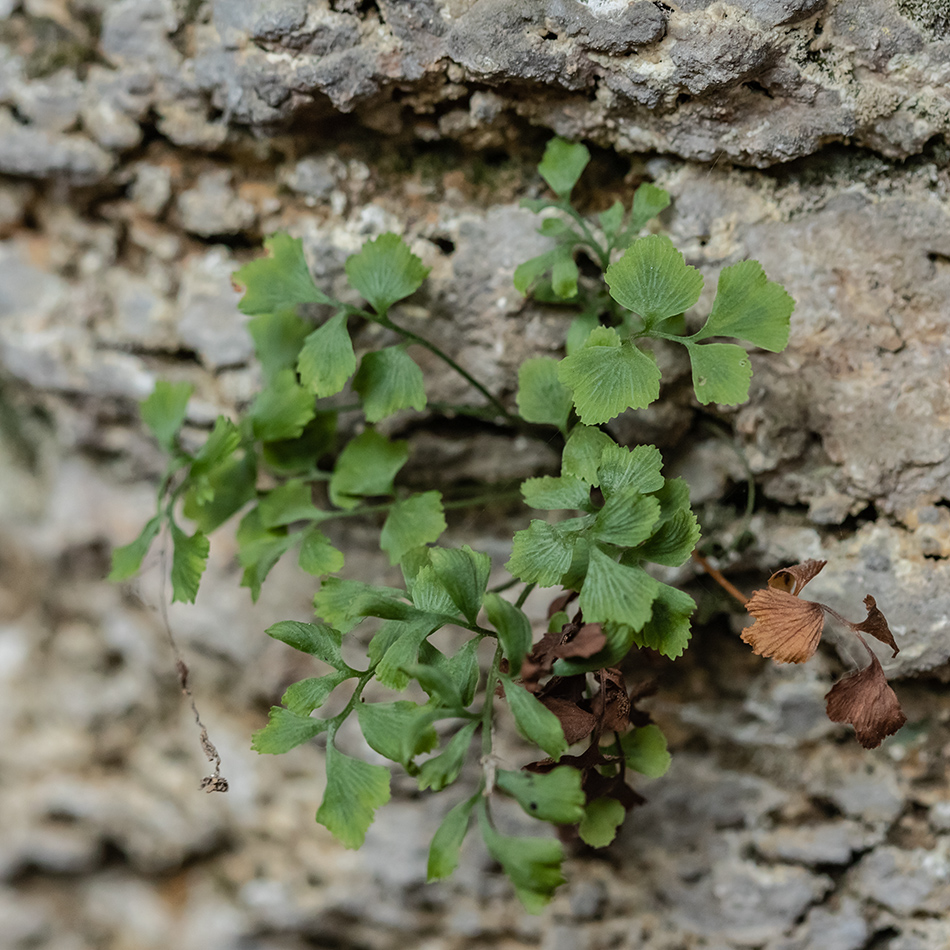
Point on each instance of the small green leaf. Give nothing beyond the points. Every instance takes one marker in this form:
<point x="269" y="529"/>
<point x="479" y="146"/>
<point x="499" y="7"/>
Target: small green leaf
<point x="463" y="668"/>
<point x="279" y="281"/>
<point x="447" y="841"/>
<point x="564" y="276"/>
<point x="432" y="675"/>
<point x="514" y="629"/>
<point x="385" y="270"/>
<point x="327" y="360"/>
<point x="673" y="541"/>
<point x="259" y="549"/>
<point x="551" y="493"/>
<point x="541" y="397"/>
<point x="648" y="202"/>
<point x="399" y="731"/>
<point x="411" y="522"/>
<point x="278" y="338"/>
<point x="579" y="331"/>
<point x="220" y="445"/>
<point x="540" y="554"/>
<point x="653" y="280"/>
<point x="304" y="697"/>
<point x="288" y="503"/>
<point x="583" y="451"/>
<point x="339" y="602"/>
<point x="534" y="720"/>
<point x="645" y="751"/>
<point x="188" y="563"/>
<point x="224" y="491"/>
<point x="668" y="629"/>
<point x="627" y="518"/>
<point x="639" y="468"/>
<point x="317" y="639"/>
<point x="354" y="791"/>
<point x="464" y="574"/>
<point x="127" y="560"/>
<point x="550" y="796"/>
<point x="533" y="864"/>
<point x="404" y="652"/>
<point x="389" y="380"/>
<point x="613" y="591"/>
<point x="429" y="593"/>
<point x="285" y="730"/>
<point x="442" y="770"/>
<point x="282" y="409"/>
<point x="300" y="455"/>
<point x="317" y="555"/>
<point x="611" y="220"/>
<point x="526" y="275"/>
<point x="563" y="164"/>
<point x="608" y="377"/>
<point x="366" y="467"/>
<point x="164" y="411"/>
<point x="721" y="372"/>
<point x="750" y="307"/>
<point x="602" y="818"/>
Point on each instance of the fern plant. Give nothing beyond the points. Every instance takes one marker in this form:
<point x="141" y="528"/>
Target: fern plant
<point x="601" y="523"/>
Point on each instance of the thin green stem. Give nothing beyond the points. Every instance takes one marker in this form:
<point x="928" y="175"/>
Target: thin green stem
<point x="603" y="255"/>
<point x="488" y="709"/>
<point x="523" y="596"/>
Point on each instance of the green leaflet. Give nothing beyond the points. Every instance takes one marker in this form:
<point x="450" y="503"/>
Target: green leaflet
<point x="278" y="338"/>
<point x="300" y="455"/>
<point x="447" y="841"/>
<point x="648" y="202"/>
<point x="645" y="751"/>
<point x="550" y="796"/>
<point x="220" y="445"/>
<point x="721" y="372"/>
<point x="259" y="549"/>
<point x="653" y="280"/>
<point x="389" y="380"/>
<point x="442" y="770"/>
<point x="354" y="791"/>
<point x="286" y="730"/>
<point x="282" y="410"/>
<point x="223" y="492"/>
<point x="339" y="602"/>
<point x="384" y="271"/>
<point x="429" y="593"/>
<point x="164" y="411"/>
<point x="674" y="540"/>
<point x="607" y="377"/>
<point x="559" y="259"/>
<point x="411" y="522"/>
<point x="403" y="653"/>
<point x="613" y="591"/>
<point x="327" y="360"/>
<point x="540" y="554"/>
<point x="514" y="629"/>
<point x="583" y="451"/>
<point x="304" y="697"/>
<point x="366" y="467"/>
<point x="639" y="468"/>
<point x="398" y="731"/>
<point x="317" y="639"/>
<point x="627" y="518"/>
<point x="127" y="560"/>
<point x="288" y="503"/>
<point x="534" y="721"/>
<point x="533" y="864"/>
<point x="602" y="818"/>
<point x="279" y="281"/>
<point x="188" y="563"/>
<point x="317" y="555"/>
<point x="548" y="492"/>
<point x="668" y="629"/>
<point x="464" y="574"/>
<point x="750" y="307"/>
<point x="562" y="165"/>
<point x="542" y="398"/>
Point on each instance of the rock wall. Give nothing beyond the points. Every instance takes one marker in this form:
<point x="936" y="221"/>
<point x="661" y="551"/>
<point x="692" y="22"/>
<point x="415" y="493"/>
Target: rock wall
<point x="145" y="150"/>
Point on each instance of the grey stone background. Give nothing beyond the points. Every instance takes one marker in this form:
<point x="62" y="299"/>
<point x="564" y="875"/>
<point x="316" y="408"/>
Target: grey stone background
<point x="146" y="147"/>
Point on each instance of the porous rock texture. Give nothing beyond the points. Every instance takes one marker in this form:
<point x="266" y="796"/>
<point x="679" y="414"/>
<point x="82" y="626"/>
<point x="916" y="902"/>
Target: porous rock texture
<point x="146" y="147"/>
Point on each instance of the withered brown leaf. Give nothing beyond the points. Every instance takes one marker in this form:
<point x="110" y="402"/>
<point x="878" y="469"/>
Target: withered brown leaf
<point x="577" y="723"/>
<point x="611" y="705"/>
<point x="875" y="625"/>
<point x="866" y="700"/>
<point x="786" y="629"/>
<point x="793" y="579"/>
